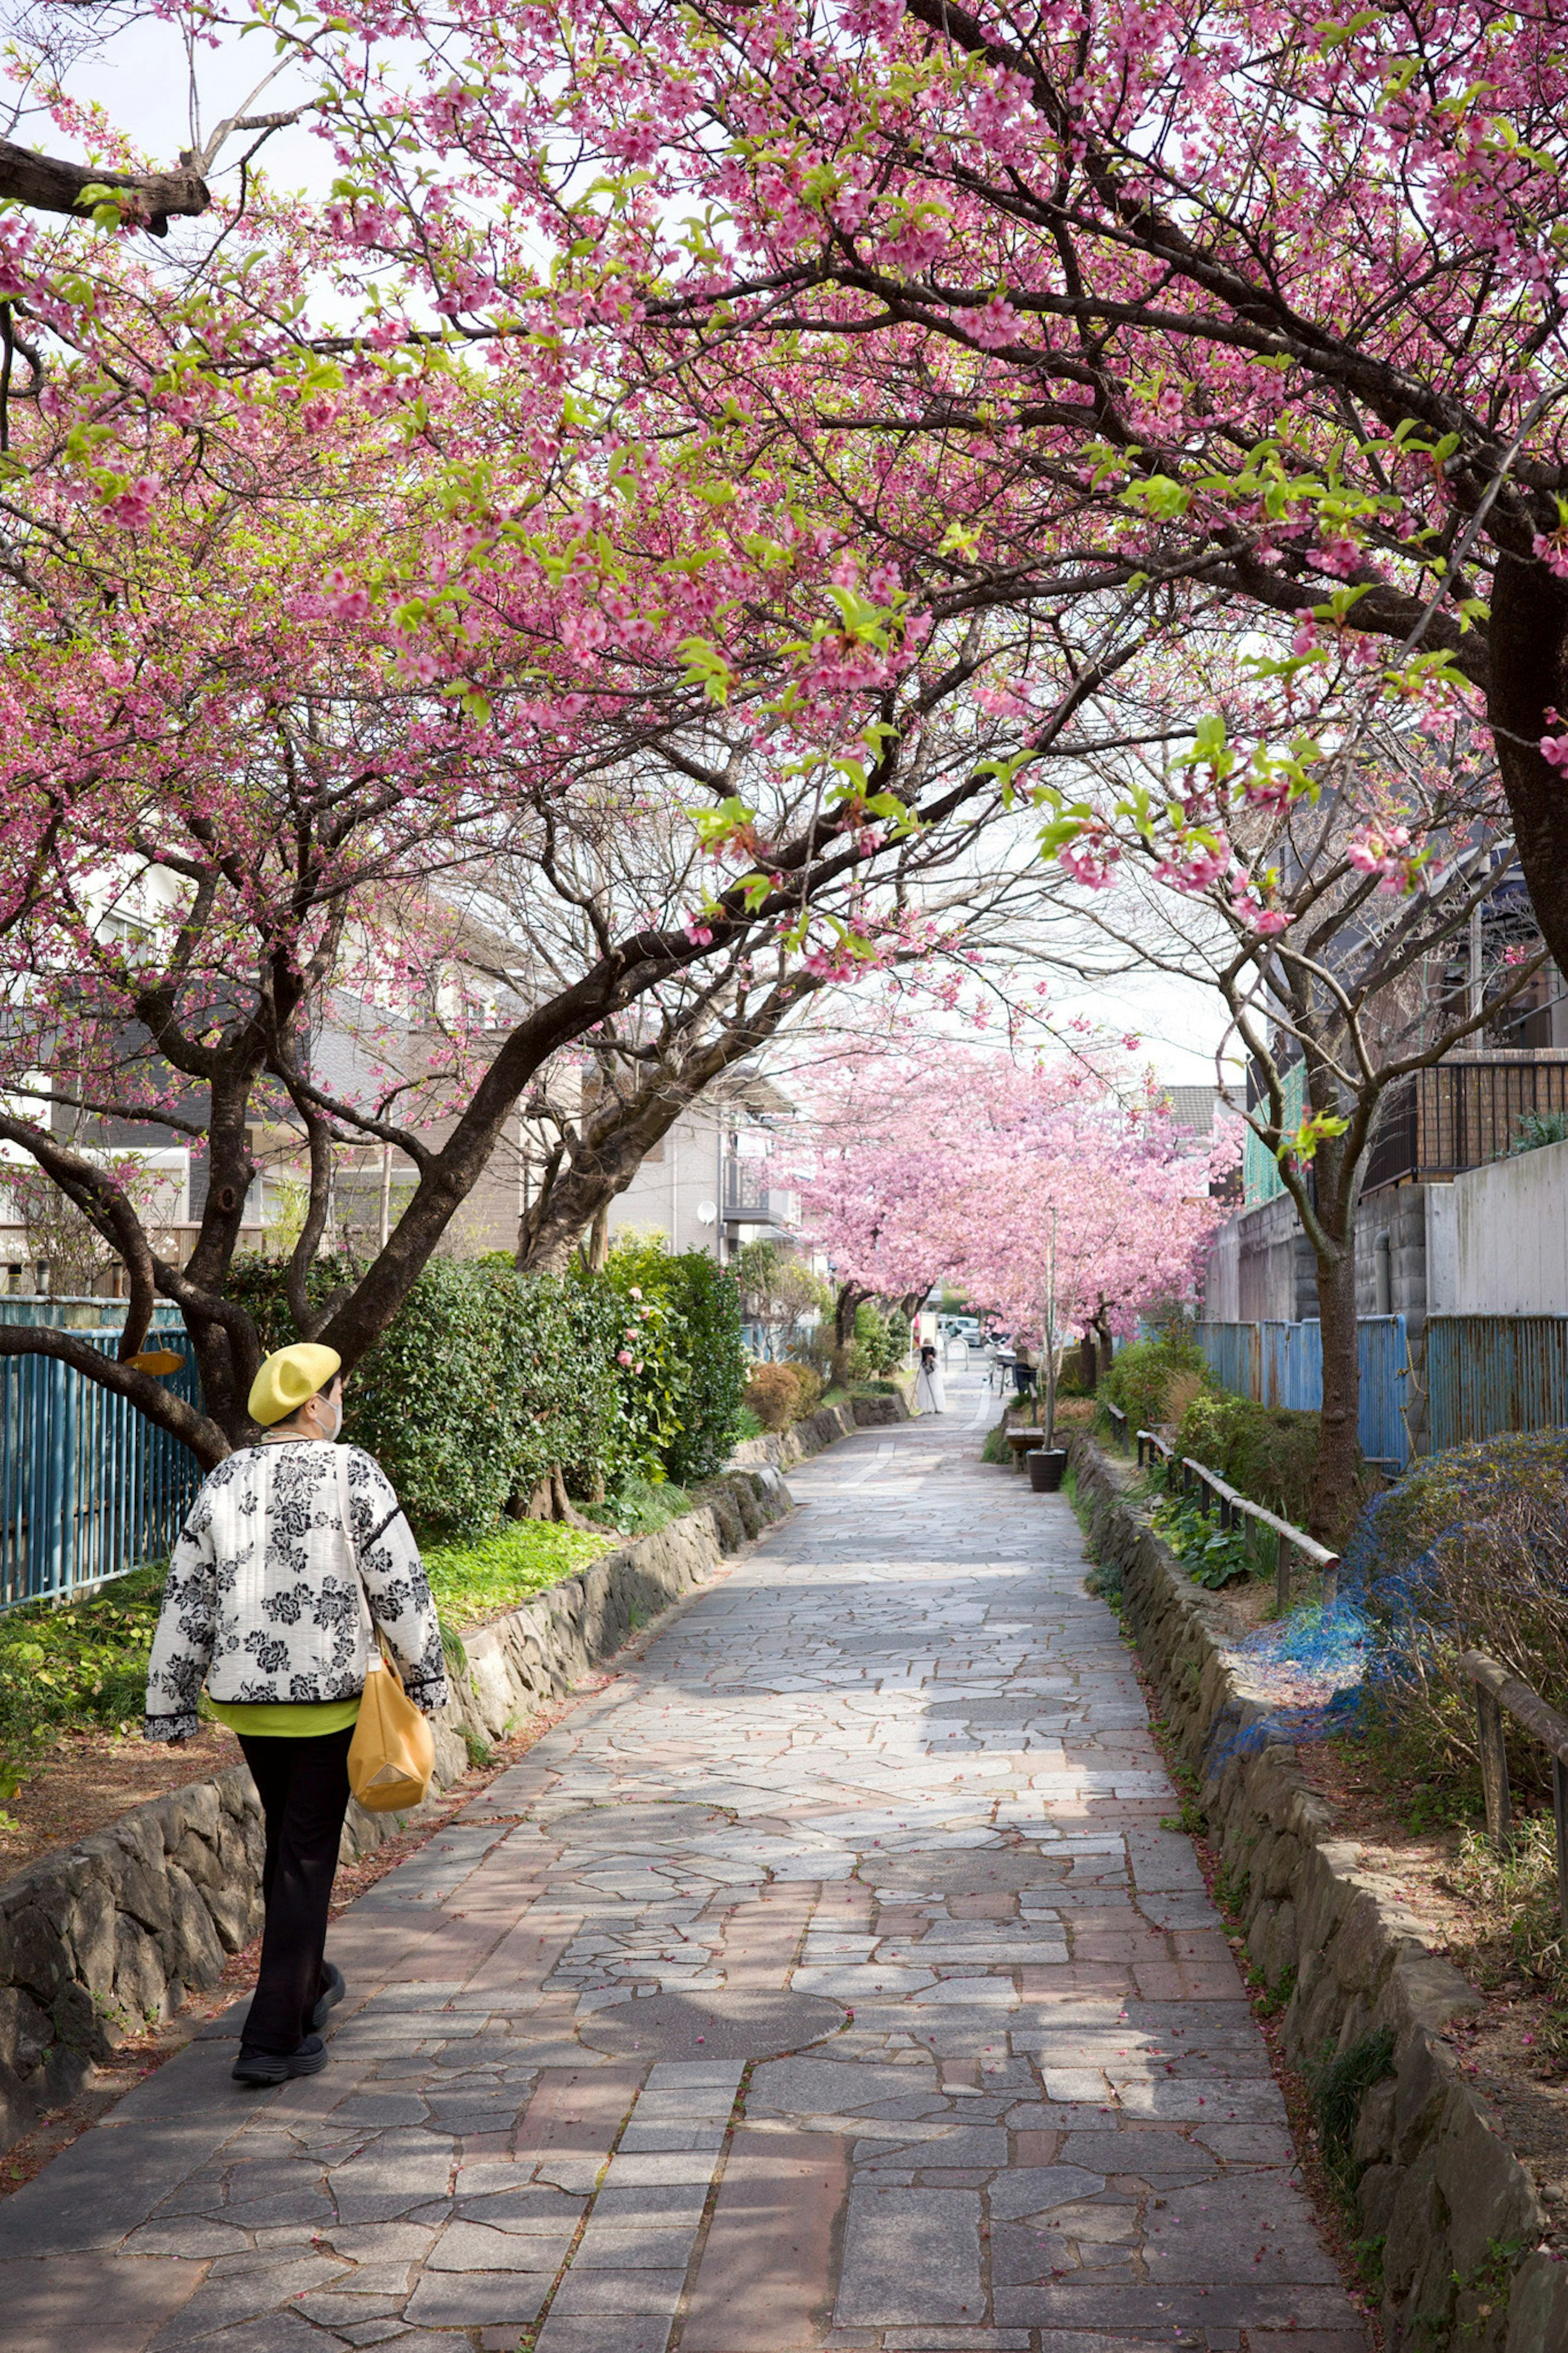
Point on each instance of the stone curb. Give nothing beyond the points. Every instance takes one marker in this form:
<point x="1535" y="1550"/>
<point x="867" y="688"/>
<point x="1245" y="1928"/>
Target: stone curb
<point x="117" y="1930"/>
<point x="1457" y="2214"/>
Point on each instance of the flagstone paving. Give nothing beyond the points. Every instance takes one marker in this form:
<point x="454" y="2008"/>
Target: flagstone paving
<point x="826" y="1981"/>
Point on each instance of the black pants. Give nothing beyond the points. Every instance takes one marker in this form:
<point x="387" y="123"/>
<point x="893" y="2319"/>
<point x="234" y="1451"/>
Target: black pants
<point x="1023" y="1378"/>
<point x="303" y="1785"/>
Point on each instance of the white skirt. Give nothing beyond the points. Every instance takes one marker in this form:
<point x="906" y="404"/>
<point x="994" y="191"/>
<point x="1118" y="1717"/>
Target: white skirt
<point x="931" y="1397"/>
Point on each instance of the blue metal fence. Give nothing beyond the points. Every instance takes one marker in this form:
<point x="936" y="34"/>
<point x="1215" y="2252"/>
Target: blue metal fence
<point x="1481" y="1375"/>
<point x="1491" y="1373"/>
<point x="88" y="1489"/>
<point x="1282" y="1363"/>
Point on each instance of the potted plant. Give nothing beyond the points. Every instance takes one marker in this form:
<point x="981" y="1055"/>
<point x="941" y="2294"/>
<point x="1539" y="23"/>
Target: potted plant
<point x="1047" y="1463"/>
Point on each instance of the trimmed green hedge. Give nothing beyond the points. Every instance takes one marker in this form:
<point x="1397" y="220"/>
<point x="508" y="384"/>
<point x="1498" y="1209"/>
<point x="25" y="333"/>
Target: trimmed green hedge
<point x="487" y="1380"/>
<point x="686" y="1313"/>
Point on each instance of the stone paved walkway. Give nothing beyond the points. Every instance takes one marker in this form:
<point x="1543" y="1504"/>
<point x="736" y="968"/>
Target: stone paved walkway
<point x="826" y="1981"/>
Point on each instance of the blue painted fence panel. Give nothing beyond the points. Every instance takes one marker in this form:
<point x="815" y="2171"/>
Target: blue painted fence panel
<point x="1282" y="1363"/>
<point x="1491" y="1373"/>
<point x="88" y="1490"/>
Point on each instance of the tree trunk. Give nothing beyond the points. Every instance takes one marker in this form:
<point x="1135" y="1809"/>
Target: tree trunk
<point x="1336" y="1491"/>
<point x="548" y="1501"/>
<point x="849" y="1298"/>
<point x="1528" y="682"/>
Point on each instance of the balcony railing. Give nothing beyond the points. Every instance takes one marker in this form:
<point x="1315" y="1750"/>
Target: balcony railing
<point x="750" y="1199"/>
<point x="1460" y="1115"/>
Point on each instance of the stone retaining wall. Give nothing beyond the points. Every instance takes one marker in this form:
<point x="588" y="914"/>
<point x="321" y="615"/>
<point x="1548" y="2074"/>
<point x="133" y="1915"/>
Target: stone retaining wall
<point x="781" y="1449"/>
<point x="828" y="1423"/>
<point x="1440" y="2200"/>
<point x="114" y="1932"/>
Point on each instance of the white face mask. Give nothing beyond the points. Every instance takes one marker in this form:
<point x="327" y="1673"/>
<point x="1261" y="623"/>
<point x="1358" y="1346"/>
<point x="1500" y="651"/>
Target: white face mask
<point x="337" y="1413"/>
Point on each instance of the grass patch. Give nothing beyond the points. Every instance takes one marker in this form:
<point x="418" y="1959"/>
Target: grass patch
<point x="79" y="1669"/>
<point x="642" y="1506"/>
<point x="474" y="1581"/>
<point x="1339" y="2088"/>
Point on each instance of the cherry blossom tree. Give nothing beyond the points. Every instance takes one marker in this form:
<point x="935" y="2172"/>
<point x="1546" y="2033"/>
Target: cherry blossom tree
<point x="1378" y="931"/>
<point x="957" y="1167"/>
<point x="1211" y="304"/>
<point x="295" y="668"/>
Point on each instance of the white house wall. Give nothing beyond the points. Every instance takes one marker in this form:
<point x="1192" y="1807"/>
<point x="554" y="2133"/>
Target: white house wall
<point x="667" y="1193"/>
<point x="1497" y="1239"/>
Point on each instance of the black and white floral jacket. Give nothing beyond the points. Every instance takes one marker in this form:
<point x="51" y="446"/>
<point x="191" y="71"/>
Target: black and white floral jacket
<point x="262" y="1602"/>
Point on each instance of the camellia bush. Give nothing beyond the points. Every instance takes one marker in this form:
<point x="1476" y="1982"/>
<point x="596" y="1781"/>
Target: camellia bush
<point x="484" y="1384"/>
<point x="703" y="1300"/>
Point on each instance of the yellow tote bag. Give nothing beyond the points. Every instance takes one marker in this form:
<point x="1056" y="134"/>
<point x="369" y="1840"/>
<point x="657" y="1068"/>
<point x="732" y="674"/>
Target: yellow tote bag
<point x="393" y="1753"/>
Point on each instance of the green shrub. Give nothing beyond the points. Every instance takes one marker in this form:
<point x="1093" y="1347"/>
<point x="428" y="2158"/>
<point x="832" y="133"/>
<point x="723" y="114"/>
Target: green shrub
<point x="1148" y="1377"/>
<point x="1537" y="1128"/>
<point x="1267" y="1452"/>
<point x="1467" y="1552"/>
<point x="881" y="1336"/>
<point x="706" y="1298"/>
<point x="484" y="1379"/>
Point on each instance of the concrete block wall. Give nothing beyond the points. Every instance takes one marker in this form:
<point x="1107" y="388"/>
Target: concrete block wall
<point x="1500" y="1240"/>
<point x="1400" y="1214"/>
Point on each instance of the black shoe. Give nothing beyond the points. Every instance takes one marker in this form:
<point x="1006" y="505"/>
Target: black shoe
<point x="331" y="1998"/>
<point x="278" y="2066"/>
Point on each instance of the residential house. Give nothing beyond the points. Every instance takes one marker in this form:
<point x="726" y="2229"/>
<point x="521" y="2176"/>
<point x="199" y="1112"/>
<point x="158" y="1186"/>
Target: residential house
<point x="1476" y="1109"/>
<point x="712" y="1183"/>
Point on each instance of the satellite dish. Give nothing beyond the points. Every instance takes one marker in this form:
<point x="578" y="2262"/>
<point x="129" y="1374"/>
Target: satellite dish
<point x="706" y="1212"/>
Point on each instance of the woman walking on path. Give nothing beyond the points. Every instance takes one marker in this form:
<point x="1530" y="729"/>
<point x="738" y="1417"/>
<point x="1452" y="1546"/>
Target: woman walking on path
<point x="292" y="1554"/>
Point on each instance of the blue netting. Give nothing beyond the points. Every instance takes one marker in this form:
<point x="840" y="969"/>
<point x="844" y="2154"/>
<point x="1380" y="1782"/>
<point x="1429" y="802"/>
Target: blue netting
<point x="1497" y="1500"/>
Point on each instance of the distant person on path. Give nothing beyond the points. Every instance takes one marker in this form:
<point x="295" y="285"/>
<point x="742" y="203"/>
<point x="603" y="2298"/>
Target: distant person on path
<point x="930" y="1392"/>
<point x="292" y="1552"/>
<point x="1024" y="1360"/>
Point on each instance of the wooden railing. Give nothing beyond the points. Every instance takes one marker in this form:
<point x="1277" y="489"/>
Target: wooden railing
<point x="1497" y="1690"/>
<point x="1288" y="1541"/>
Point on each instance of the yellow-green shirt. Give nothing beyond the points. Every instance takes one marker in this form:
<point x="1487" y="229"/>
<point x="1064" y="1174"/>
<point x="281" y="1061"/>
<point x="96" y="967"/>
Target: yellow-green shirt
<point x="297" y="1719"/>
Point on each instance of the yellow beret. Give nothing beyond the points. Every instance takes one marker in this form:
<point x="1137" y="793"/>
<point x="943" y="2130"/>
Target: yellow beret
<point x="287" y="1377"/>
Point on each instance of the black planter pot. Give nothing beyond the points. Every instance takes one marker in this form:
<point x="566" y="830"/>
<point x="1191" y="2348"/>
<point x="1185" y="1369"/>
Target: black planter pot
<point x="1047" y="1464"/>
